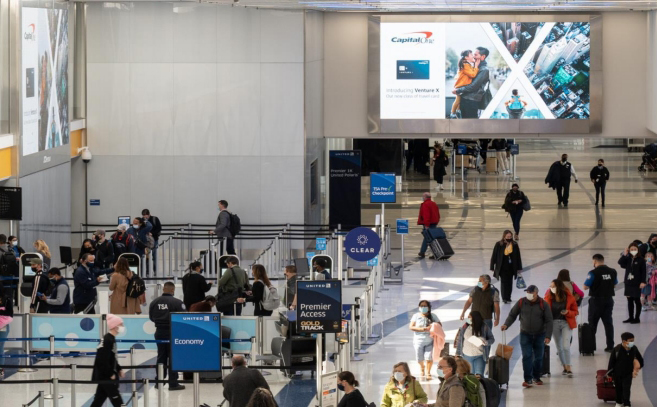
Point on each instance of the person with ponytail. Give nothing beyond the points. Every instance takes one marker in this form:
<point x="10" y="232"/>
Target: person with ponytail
<point x="347" y="383"/>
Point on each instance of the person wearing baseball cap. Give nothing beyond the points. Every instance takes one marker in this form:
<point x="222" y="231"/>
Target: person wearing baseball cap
<point x="106" y="365"/>
<point x="40" y="286"/>
<point x="535" y="333"/>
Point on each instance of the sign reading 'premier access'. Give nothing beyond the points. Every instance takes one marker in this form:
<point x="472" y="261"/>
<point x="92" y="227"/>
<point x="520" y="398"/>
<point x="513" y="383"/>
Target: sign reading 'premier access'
<point x="319" y="306"/>
<point x="362" y="244"/>
<point x="194" y="334"/>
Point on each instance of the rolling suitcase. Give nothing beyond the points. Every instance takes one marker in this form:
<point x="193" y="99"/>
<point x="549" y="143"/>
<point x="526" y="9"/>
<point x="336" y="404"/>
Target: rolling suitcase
<point x="441" y="249"/>
<point x="498" y="370"/>
<point x="586" y="338"/>
<point x="605" y="386"/>
<point x="545" y="370"/>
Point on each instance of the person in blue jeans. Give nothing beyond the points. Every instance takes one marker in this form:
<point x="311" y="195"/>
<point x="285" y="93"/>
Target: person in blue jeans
<point x="535" y="333"/>
<point x="474" y="349"/>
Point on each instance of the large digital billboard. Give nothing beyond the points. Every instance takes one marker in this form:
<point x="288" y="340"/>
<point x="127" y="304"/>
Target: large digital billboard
<point x="44" y="79"/>
<point x="484" y="70"/>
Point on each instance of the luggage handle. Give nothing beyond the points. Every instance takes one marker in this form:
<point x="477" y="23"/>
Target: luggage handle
<point x="504" y="337"/>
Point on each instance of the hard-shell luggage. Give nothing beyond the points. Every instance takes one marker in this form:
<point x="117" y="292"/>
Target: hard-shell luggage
<point x="605" y="386"/>
<point x="586" y="338"/>
<point x="491" y="165"/>
<point x="545" y="370"/>
<point x="440" y="247"/>
<point x="498" y="370"/>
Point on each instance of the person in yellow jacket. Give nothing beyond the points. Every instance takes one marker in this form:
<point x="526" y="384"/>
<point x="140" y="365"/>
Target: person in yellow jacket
<point x="402" y="389"/>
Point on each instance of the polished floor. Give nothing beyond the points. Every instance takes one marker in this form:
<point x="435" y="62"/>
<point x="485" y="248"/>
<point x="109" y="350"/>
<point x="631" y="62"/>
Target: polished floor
<point x="551" y="238"/>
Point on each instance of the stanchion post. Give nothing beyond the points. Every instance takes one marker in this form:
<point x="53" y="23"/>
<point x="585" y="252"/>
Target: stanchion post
<point x="182" y="249"/>
<point x="146" y="390"/>
<point x="41" y="399"/>
<point x="197" y="398"/>
<point x="160" y="386"/>
<point x="133" y="373"/>
<point x="73" y="392"/>
<point x="175" y="253"/>
<point x="189" y="242"/>
<point x="339" y="257"/>
<point x="27" y="332"/>
<point x="55" y="396"/>
<point x="318" y="346"/>
<point x="211" y="268"/>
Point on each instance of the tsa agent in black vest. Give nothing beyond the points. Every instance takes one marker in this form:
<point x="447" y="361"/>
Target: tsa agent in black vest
<point x="599" y="178"/>
<point x="59" y="301"/>
<point x="559" y="178"/>
<point x="106" y="365"/>
<point x="506" y="263"/>
<point x="635" y="279"/>
<point x="601" y="282"/>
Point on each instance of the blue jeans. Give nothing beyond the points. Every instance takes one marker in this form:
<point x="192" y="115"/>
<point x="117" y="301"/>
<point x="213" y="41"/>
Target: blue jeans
<point x="515" y="218"/>
<point x="423" y="350"/>
<point x="532" y="347"/>
<point x="425" y="242"/>
<point x="3" y="335"/>
<point x="562" y="335"/>
<point x="477" y="363"/>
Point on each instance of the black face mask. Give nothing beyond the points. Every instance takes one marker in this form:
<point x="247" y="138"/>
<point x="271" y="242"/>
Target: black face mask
<point x="509" y="240"/>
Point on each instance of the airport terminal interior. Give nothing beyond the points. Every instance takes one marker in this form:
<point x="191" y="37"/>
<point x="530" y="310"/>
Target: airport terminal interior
<point x="395" y="155"/>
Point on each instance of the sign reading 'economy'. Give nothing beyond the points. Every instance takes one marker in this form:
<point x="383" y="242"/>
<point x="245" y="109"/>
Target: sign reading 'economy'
<point x="362" y="244"/>
<point x="382" y="187"/>
<point x="194" y="334"/>
<point x="319" y="306"/>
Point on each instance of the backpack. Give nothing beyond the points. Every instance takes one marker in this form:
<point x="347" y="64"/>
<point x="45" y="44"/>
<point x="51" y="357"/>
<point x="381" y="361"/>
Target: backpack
<point x="235" y="225"/>
<point x="7" y="259"/>
<point x="492" y="390"/>
<point x="120" y="247"/>
<point x="271" y="300"/>
<point x="541" y="302"/>
<point x="136" y="287"/>
<point x="471" y="385"/>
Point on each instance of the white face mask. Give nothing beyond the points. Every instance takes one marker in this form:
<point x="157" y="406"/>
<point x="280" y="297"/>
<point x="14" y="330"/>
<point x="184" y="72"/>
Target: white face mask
<point x="399" y="376"/>
<point x="468" y="321"/>
<point x="553" y="289"/>
<point x="530" y="296"/>
<point x="120" y="329"/>
<point x="136" y="226"/>
<point x="634" y="252"/>
<point x="14" y="243"/>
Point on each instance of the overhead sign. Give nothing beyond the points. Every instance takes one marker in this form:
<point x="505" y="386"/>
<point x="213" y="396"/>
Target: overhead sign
<point x="461" y="149"/>
<point x="402" y="226"/>
<point x="124" y="220"/>
<point x="320" y="244"/>
<point x="382" y="187"/>
<point x="515" y="149"/>
<point x="94" y="202"/>
<point x="362" y="244"/>
<point x="329" y="390"/>
<point x="319" y="306"/>
<point x="194" y="334"/>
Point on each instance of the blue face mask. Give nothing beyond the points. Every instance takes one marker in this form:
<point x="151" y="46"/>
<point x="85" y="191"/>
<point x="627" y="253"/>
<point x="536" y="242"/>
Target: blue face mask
<point x="424" y="310"/>
<point x="480" y="284"/>
<point x="630" y="345"/>
<point x="52" y="280"/>
<point x="441" y="374"/>
<point x="90" y="265"/>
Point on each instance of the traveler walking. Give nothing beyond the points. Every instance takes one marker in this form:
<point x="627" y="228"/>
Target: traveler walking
<point x="599" y="178"/>
<point x="451" y="392"/>
<point x="141" y="230"/>
<point x="564" y="316"/>
<point x="440" y="161"/>
<point x="122" y="241"/>
<point x="428" y="219"/>
<point x="622" y="368"/>
<point x="472" y="340"/>
<point x="262" y="398"/>
<point x="86" y="248"/>
<point x="85" y="280"/>
<point x="158" y="312"/>
<point x="347" y="383"/>
<point x="222" y="227"/>
<point x="42" y="248"/>
<point x="204" y="306"/>
<point x="234" y="282"/>
<point x="483" y="143"/>
<point x="422" y="341"/>
<point x="559" y="178"/>
<point x="194" y="285"/>
<point x="514" y="205"/>
<point x="471" y="382"/>
<point x="402" y="389"/>
<point x="535" y="333"/>
<point x="120" y="302"/>
<point x="240" y="384"/>
<point x="506" y="263"/>
<point x="260" y="287"/>
<point x="6" y="316"/>
<point x="564" y="277"/>
<point x="106" y="365"/>
<point x="40" y="286"/>
<point x="601" y="282"/>
<point x="485" y="299"/>
<point x="635" y="280"/>
<point x="104" y="250"/>
<point x="155" y="232"/>
<point x="59" y="301"/>
<point x="290" y="284"/>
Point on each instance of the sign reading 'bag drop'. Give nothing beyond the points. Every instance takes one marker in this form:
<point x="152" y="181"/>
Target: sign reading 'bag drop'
<point x="362" y="244"/>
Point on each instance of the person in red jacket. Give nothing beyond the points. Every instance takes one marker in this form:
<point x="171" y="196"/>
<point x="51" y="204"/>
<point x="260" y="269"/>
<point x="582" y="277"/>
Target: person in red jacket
<point x="429" y="218"/>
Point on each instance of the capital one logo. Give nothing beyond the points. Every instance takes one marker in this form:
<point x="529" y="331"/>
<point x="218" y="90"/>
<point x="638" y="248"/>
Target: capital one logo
<point x="29" y="34"/>
<point x="419" y="37"/>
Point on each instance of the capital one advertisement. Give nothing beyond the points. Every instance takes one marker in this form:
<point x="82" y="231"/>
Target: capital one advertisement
<point x="44" y="79"/>
<point x="498" y="70"/>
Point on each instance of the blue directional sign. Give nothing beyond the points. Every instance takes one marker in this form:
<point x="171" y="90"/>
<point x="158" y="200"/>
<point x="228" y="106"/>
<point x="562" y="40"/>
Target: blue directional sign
<point x="194" y="334"/>
<point x="362" y="244"/>
<point x="382" y="187"/>
<point x="373" y="262"/>
<point x="346" y="311"/>
<point x="320" y="244"/>
<point x="402" y="226"/>
<point x="461" y="149"/>
<point x="310" y="256"/>
<point x="515" y="149"/>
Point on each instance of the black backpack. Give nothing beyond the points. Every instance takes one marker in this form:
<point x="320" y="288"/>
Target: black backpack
<point x="7" y="264"/>
<point x="136" y="287"/>
<point x="235" y="225"/>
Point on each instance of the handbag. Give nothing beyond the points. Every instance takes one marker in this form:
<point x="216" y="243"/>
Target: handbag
<point x="503" y="350"/>
<point x="227" y="299"/>
<point x="526" y="206"/>
<point x="520" y="283"/>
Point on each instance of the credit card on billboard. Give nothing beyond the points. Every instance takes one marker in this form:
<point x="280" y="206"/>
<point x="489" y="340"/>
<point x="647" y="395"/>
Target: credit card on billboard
<point x="413" y="69"/>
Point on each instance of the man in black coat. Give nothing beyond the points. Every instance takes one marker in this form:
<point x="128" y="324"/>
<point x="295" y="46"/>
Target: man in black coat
<point x="599" y="178"/>
<point x="558" y="178"/>
<point x="106" y="365"/>
<point x="155" y="232"/>
<point x="194" y="285"/>
<point x="240" y="384"/>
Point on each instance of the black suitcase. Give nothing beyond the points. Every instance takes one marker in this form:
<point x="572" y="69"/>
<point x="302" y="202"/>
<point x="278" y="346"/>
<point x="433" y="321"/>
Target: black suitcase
<point x="441" y="249"/>
<point x="545" y="370"/>
<point x="498" y="370"/>
<point x="586" y="339"/>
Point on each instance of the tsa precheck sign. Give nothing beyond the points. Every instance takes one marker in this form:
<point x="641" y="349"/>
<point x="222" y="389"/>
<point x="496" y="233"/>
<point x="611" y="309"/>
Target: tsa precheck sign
<point x="383" y="187"/>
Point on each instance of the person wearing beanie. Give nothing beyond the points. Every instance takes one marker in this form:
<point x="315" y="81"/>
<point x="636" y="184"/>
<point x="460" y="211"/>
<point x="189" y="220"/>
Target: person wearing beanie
<point x="106" y="365"/>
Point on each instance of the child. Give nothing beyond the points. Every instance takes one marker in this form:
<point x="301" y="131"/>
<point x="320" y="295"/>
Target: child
<point x="622" y="368"/>
<point x="648" y="292"/>
<point x="468" y="69"/>
<point x="106" y="365"/>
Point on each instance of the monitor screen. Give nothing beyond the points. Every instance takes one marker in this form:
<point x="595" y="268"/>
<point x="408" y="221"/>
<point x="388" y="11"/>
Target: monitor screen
<point x="27" y="271"/>
<point x="134" y="269"/>
<point x="302" y="267"/>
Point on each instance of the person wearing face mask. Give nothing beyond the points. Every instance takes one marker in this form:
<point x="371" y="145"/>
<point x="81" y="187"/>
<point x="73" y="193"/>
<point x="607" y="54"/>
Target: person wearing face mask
<point x="635" y="280"/>
<point x="122" y="241"/>
<point x="648" y="292"/>
<point x="106" y="365"/>
<point x="59" y="301"/>
<point x="422" y="341"/>
<point x="622" y="369"/>
<point x="485" y="299"/>
<point x="88" y="246"/>
<point x="601" y="282"/>
<point x="140" y="230"/>
<point x="256" y="295"/>
<point x="41" y="285"/>
<point x="506" y="263"/>
<point x="558" y="178"/>
<point x="347" y="383"/>
<point x="120" y="302"/>
<point x="599" y="178"/>
<point x="564" y="313"/>
<point x="194" y="285"/>
<point x="649" y="246"/>
<point x="402" y="388"/>
<point x="85" y="280"/>
<point x="451" y="392"/>
<point x="535" y="333"/>
<point x="13" y="245"/>
<point x="514" y="206"/>
<point x="104" y="250"/>
<point x="471" y="341"/>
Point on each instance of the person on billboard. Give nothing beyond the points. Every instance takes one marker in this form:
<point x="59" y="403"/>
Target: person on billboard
<point x="515" y="106"/>
<point x="477" y="93"/>
<point x="468" y="69"/>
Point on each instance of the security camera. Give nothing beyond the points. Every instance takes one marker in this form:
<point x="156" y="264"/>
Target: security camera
<point x="86" y="154"/>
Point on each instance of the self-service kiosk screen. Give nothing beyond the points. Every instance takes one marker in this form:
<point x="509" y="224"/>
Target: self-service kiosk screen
<point x="27" y="271"/>
<point x="134" y="269"/>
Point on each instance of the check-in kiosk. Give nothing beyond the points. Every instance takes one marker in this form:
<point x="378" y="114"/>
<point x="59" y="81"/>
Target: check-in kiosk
<point x="222" y="263"/>
<point x="328" y="263"/>
<point x="26" y="277"/>
<point x="134" y="262"/>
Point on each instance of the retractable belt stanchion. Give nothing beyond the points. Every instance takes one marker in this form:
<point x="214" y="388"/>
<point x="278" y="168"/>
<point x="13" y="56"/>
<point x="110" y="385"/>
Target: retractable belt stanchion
<point x="160" y="386"/>
<point x="41" y="399"/>
<point x="174" y="266"/>
<point x="318" y="355"/>
<point x="27" y="328"/>
<point x="146" y="388"/>
<point x="73" y="392"/>
<point x="53" y="393"/>
<point x="181" y="263"/>
<point x="189" y="243"/>
<point x="133" y="375"/>
<point x="197" y="398"/>
<point x="56" y="395"/>
<point x="211" y="268"/>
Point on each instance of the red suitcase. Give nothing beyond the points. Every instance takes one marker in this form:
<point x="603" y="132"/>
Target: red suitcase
<point x="605" y="385"/>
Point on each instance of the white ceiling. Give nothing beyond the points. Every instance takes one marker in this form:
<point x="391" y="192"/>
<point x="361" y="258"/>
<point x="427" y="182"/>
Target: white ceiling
<point x="445" y="5"/>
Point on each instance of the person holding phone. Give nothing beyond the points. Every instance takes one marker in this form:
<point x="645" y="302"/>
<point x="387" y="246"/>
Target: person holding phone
<point x="564" y="313"/>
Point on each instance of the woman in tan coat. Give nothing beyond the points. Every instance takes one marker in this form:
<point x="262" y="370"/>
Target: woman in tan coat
<point x="120" y="303"/>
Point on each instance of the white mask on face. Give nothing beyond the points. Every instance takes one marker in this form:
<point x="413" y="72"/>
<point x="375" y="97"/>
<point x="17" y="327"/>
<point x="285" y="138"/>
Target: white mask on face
<point x="553" y="289"/>
<point x="530" y="296"/>
<point x="121" y="329"/>
<point x="15" y="243"/>
<point x="634" y="252"/>
<point x="136" y="226"/>
<point x="399" y="376"/>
